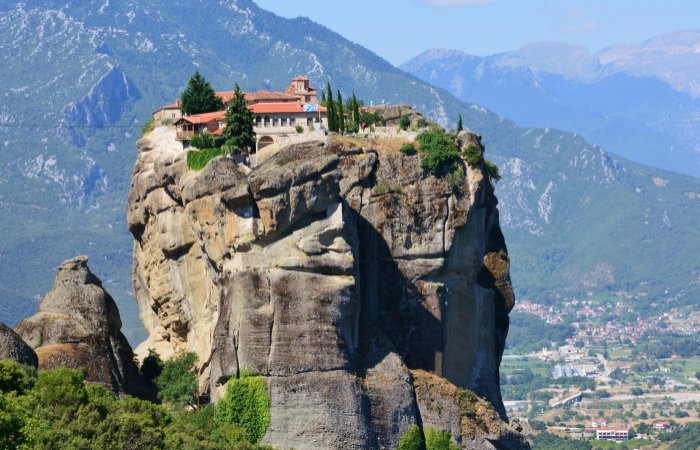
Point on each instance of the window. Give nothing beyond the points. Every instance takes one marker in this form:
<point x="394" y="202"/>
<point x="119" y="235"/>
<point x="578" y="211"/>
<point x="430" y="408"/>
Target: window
<point x="292" y="121"/>
<point x="310" y="121"/>
<point x="284" y="121"/>
<point x="275" y="121"/>
<point x="258" y="121"/>
<point x="267" y="121"/>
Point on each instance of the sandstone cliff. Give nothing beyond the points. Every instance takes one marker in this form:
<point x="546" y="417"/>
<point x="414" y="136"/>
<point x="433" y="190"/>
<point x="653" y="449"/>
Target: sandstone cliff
<point x="78" y="326"/>
<point x="333" y="271"/>
<point x="13" y="347"/>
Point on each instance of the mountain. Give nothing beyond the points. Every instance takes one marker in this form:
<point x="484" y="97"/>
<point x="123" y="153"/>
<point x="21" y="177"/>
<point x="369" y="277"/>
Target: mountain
<point x="79" y="80"/>
<point x="610" y="101"/>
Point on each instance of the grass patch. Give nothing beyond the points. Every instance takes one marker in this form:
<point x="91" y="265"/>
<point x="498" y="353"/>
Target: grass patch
<point x="147" y="127"/>
<point x="198" y="159"/>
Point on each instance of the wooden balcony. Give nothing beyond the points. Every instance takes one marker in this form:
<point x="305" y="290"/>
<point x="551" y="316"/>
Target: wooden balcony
<point x="184" y="135"/>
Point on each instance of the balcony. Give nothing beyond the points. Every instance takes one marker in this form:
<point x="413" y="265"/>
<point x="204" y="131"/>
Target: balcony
<point x="185" y="135"/>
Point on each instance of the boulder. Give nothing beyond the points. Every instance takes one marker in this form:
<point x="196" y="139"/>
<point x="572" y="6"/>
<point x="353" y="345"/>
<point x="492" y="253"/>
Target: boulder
<point x="13" y="347"/>
<point x="78" y="326"/>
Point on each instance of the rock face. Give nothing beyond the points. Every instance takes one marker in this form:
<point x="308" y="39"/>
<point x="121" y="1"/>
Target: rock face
<point x="13" y="347"/>
<point x="334" y="275"/>
<point x="393" y="113"/>
<point x="78" y="326"/>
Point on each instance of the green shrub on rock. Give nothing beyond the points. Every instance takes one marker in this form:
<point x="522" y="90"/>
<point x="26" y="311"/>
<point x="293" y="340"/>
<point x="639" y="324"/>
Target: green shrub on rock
<point x="439" y="153"/>
<point x="408" y="149"/>
<point x="246" y="404"/>
<point x="412" y="439"/>
<point x="198" y="159"/>
<point x="438" y="440"/>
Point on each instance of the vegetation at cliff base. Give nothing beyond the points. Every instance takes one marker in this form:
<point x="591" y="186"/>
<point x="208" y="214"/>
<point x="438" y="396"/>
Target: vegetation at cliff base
<point x="54" y="410"/>
<point x="247" y="405"/>
<point x="416" y="438"/>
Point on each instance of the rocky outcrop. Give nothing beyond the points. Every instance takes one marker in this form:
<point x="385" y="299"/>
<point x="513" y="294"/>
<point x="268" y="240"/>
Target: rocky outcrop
<point x="393" y="113"/>
<point x="78" y="326"/>
<point x="13" y="347"/>
<point x="333" y="274"/>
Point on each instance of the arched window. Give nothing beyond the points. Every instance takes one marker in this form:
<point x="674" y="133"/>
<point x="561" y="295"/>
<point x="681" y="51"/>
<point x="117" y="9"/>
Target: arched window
<point x="267" y="121"/>
<point x="275" y="121"/>
<point x="258" y="121"/>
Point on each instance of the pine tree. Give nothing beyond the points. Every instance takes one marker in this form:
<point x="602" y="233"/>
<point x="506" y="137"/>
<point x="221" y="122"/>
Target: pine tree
<point x="239" y="131"/>
<point x="330" y="112"/>
<point x="460" y="124"/>
<point x="199" y="97"/>
<point x="341" y="115"/>
<point x="355" y="109"/>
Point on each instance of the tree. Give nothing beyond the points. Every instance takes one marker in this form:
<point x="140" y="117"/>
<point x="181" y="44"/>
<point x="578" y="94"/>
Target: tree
<point x="341" y="114"/>
<point x="460" y="124"/>
<point x="637" y="391"/>
<point x="247" y="405"/>
<point x="177" y="382"/>
<point x="330" y="111"/>
<point x="199" y="97"/>
<point x="404" y="122"/>
<point x="239" y="133"/>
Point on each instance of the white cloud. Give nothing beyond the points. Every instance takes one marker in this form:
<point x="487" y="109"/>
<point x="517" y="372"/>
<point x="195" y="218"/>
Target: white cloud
<point x="452" y="3"/>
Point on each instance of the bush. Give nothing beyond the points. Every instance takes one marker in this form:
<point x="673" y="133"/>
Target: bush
<point x="299" y="129"/>
<point x="166" y="122"/>
<point x="202" y="140"/>
<point x="468" y="403"/>
<point x="147" y="127"/>
<point x="472" y="154"/>
<point x="422" y="123"/>
<point x="457" y="179"/>
<point x="408" y="149"/>
<point x="15" y="377"/>
<point x="177" y="382"/>
<point x="412" y="439"/>
<point x="404" y="122"/>
<point x="438" y="440"/>
<point x="492" y="171"/>
<point x="246" y="405"/>
<point x="198" y="159"/>
<point x="636" y="391"/>
<point x="438" y="152"/>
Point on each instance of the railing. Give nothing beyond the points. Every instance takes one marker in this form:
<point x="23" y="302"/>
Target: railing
<point x="185" y="135"/>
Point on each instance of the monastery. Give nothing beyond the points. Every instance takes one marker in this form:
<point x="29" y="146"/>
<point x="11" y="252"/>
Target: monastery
<point x="277" y="114"/>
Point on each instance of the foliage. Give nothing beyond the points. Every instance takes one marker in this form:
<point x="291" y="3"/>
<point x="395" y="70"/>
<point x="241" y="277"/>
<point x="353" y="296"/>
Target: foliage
<point x="468" y="403"/>
<point x="460" y="123"/>
<point x="457" y="179"/>
<point x="199" y="97"/>
<point x="166" y="122"/>
<point x="408" y="149"/>
<point x="147" y="127"/>
<point x="152" y="365"/>
<point x="438" y="440"/>
<point x="404" y="122"/>
<point x="412" y="439"/>
<point x="422" y="122"/>
<point x="239" y="133"/>
<point x="472" y="154"/>
<point x="15" y="377"/>
<point x="341" y="114"/>
<point x="246" y="404"/>
<point x="637" y="391"/>
<point x="547" y="441"/>
<point x="330" y="110"/>
<point x="60" y="389"/>
<point x="528" y="333"/>
<point x="492" y="170"/>
<point x="198" y="159"/>
<point x="667" y="345"/>
<point x="177" y="382"/>
<point x="202" y="140"/>
<point x="438" y="151"/>
<point x="687" y="436"/>
<point x="299" y="129"/>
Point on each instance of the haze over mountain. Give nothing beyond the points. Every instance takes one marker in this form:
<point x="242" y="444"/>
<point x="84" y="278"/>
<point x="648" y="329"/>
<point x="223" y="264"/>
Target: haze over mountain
<point x="639" y="101"/>
<point x="80" y="79"/>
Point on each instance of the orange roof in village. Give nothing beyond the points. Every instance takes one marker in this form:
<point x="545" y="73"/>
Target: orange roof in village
<point x="271" y="108"/>
<point x="205" y="118"/>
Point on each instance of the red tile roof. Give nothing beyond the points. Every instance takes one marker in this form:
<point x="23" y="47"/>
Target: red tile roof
<point x="204" y="118"/>
<point x="217" y="132"/>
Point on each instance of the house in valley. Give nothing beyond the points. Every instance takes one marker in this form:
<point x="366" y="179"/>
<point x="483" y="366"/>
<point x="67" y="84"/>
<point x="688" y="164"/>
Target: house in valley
<point x="278" y="115"/>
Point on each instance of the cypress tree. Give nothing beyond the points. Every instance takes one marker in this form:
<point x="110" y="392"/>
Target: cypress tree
<point x="323" y="98"/>
<point x="460" y="125"/>
<point x="341" y="115"/>
<point x="199" y="97"/>
<point x="239" y="131"/>
<point x="330" y="113"/>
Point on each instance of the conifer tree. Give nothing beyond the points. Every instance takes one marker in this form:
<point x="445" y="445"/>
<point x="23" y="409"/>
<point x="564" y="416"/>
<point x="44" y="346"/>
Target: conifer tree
<point x="239" y="131"/>
<point x="355" y="109"/>
<point x="330" y="112"/>
<point x="199" y="97"/>
<point x="341" y="115"/>
<point x="323" y="98"/>
<point x="460" y="124"/>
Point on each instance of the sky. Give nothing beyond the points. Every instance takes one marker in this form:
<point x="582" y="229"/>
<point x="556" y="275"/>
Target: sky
<point x="398" y="30"/>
